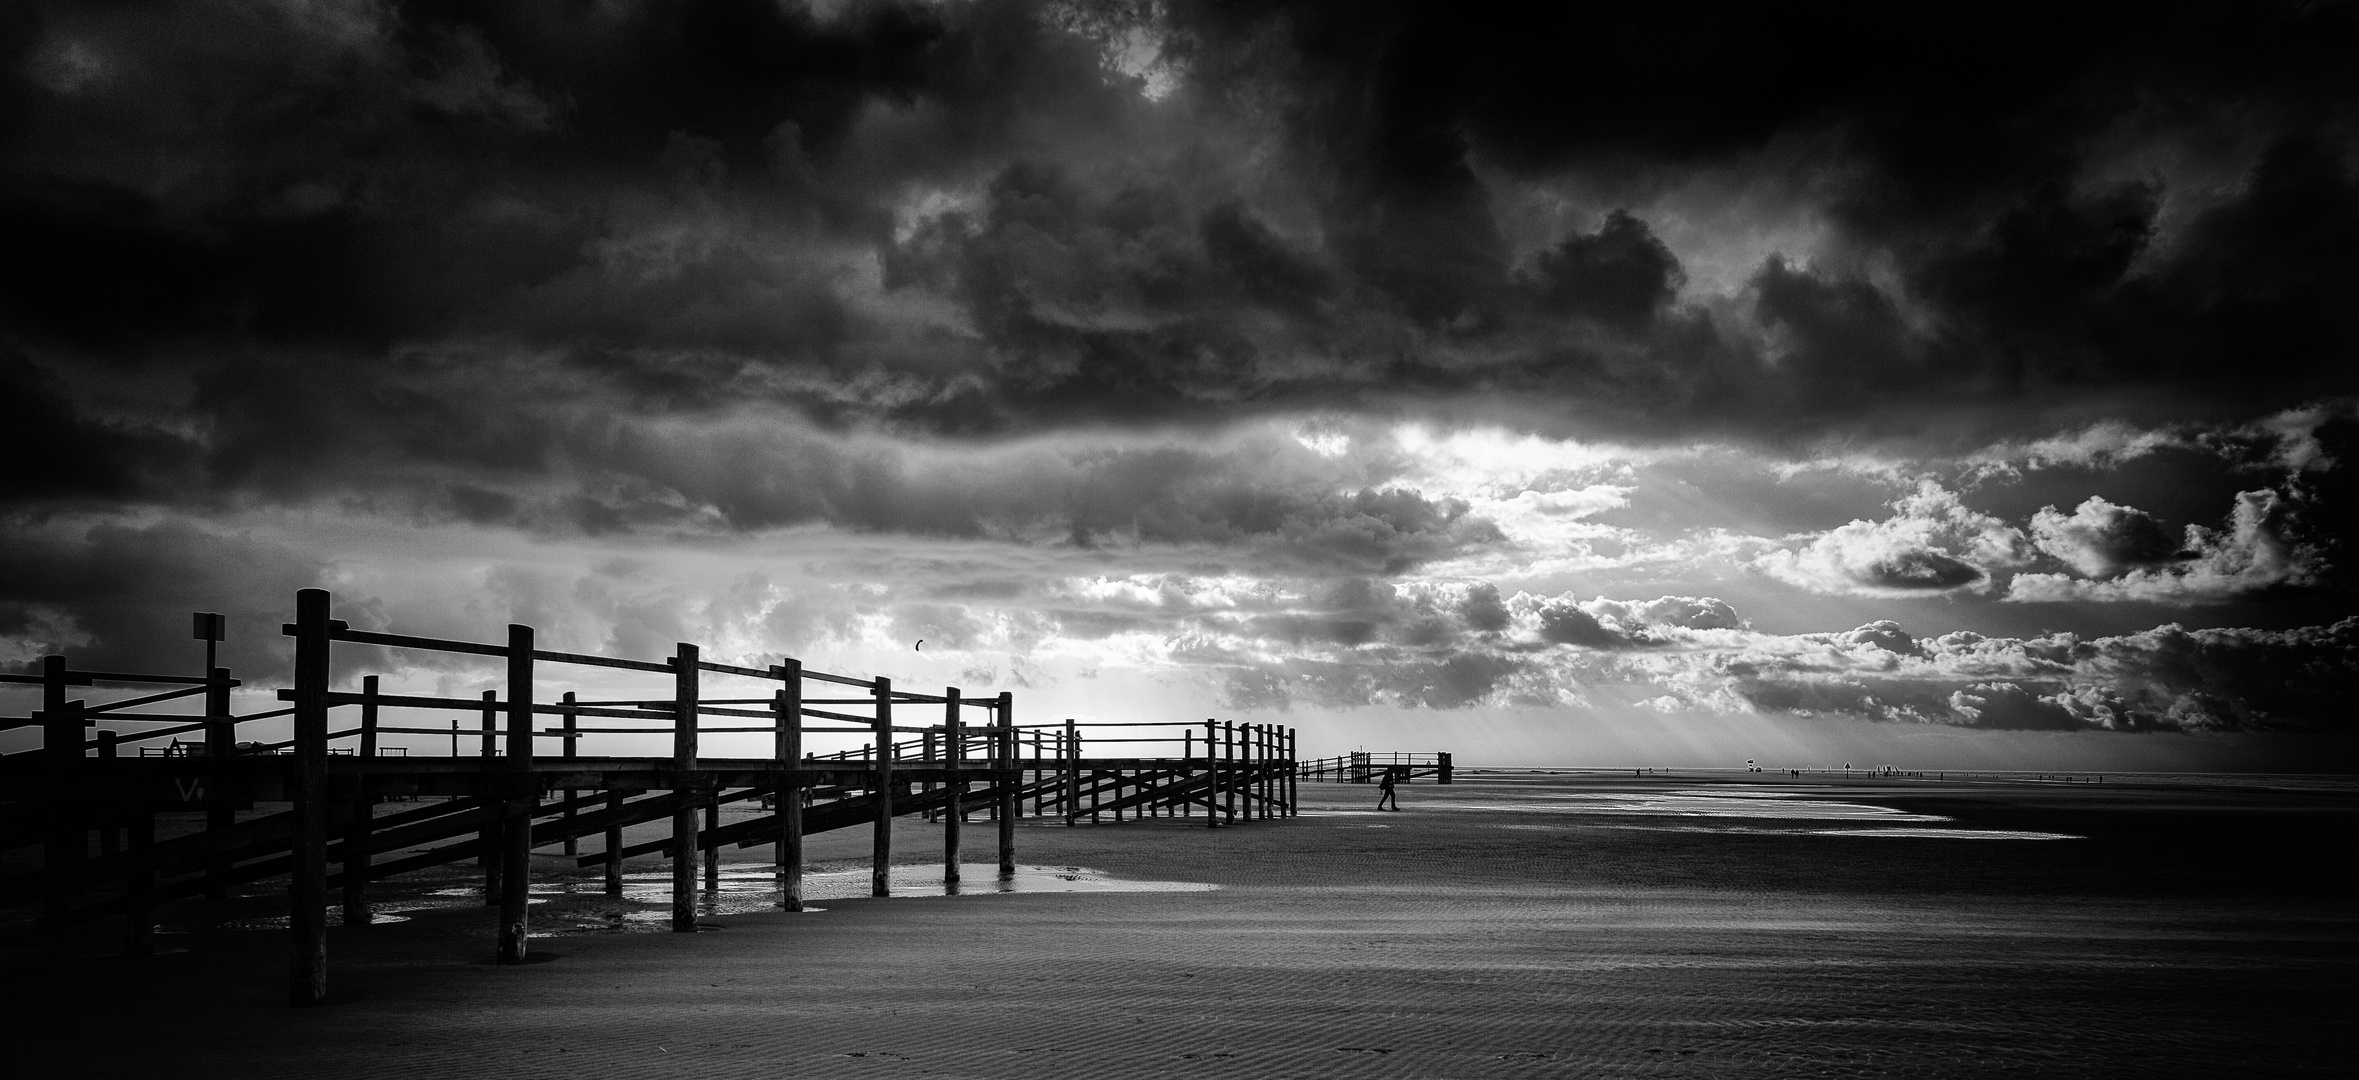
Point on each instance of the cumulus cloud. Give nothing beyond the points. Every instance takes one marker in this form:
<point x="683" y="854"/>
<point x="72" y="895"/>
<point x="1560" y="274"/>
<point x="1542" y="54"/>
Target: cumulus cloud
<point x="2101" y="539"/>
<point x="1933" y="543"/>
<point x="2257" y="549"/>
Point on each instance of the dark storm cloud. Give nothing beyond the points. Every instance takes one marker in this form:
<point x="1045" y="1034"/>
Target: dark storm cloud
<point x="100" y="591"/>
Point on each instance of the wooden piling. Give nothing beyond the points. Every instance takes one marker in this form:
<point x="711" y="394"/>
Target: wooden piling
<point x="220" y="742"/>
<point x="787" y="804"/>
<point x="954" y="788"/>
<point x="1072" y="764"/>
<point x="356" y="839"/>
<point x="307" y="881"/>
<point x="712" y="852"/>
<point x="110" y="832"/>
<point x="614" y="847"/>
<point x="519" y="783"/>
<point x="684" y="715"/>
<point x="1293" y="769"/>
<point x="487" y="852"/>
<point x="1211" y="776"/>
<point x="1009" y="805"/>
<point x="1228" y="744"/>
<point x="880" y="868"/>
<point x="569" y="733"/>
<point x="64" y="842"/>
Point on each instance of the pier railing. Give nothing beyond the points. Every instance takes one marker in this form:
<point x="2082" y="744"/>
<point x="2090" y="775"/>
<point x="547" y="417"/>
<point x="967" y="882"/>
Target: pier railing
<point x="499" y="793"/>
<point x="1363" y="767"/>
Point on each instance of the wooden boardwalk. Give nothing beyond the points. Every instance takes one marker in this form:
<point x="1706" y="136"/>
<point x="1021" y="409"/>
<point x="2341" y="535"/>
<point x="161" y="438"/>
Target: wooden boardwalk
<point x="90" y="797"/>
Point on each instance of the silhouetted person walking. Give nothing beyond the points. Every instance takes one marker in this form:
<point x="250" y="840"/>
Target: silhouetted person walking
<point x="1385" y="792"/>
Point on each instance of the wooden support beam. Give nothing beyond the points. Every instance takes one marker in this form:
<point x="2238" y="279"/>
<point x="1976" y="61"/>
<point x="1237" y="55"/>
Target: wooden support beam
<point x="516" y="836"/>
<point x="612" y="857"/>
<point x="712" y="856"/>
<point x="488" y="858"/>
<point x="1211" y="775"/>
<point x="1072" y="771"/>
<point x="787" y="795"/>
<point x="880" y="869"/>
<point x="356" y="861"/>
<point x="220" y="741"/>
<point x="954" y="790"/>
<point x="307" y="977"/>
<point x="1008" y="779"/>
<point x="684" y="705"/>
<point x="569" y="725"/>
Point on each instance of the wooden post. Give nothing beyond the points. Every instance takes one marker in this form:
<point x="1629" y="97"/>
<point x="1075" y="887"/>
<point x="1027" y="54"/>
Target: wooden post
<point x="1072" y="771"/>
<point x="1293" y="773"/>
<point x="712" y="852"/>
<point x="1442" y="767"/>
<point x="954" y="788"/>
<point x="1266" y="740"/>
<point x="61" y="750"/>
<point x="518" y="783"/>
<point x="1188" y="772"/>
<point x="614" y="847"/>
<point x="787" y="806"/>
<point x="487" y="852"/>
<point x="1009" y="805"/>
<point x="1039" y="790"/>
<point x="1228" y="751"/>
<point x="684" y="714"/>
<point x="569" y="730"/>
<point x="356" y="839"/>
<point x="929" y="752"/>
<point x="110" y="832"/>
<point x="220" y="742"/>
<point x="1211" y="777"/>
<point x="880" y="868"/>
<point x="307" y="881"/>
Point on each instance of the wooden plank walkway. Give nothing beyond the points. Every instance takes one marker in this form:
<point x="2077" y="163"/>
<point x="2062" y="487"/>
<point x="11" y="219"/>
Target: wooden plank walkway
<point x="503" y="800"/>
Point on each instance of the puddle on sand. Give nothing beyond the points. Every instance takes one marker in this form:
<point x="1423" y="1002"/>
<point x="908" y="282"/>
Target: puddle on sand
<point x="334" y="917"/>
<point x="1697" y="804"/>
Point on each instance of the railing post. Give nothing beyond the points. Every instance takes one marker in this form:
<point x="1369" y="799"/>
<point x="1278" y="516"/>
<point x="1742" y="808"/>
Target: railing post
<point x="61" y="751"/>
<point x="1072" y="771"/>
<point x="1009" y="805"/>
<point x="880" y="869"/>
<point x="1211" y="776"/>
<point x="684" y="798"/>
<point x="220" y="742"/>
<point x="1228" y="741"/>
<point x="569" y="733"/>
<point x="954" y="788"/>
<point x="787" y="804"/>
<point x="487" y="839"/>
<point x="1293" y="773"/>
<point x="307" y="881"/>
<point x="356" y="838"/>
<point x="1442" y="767"/>
<point x="520" y="784"/>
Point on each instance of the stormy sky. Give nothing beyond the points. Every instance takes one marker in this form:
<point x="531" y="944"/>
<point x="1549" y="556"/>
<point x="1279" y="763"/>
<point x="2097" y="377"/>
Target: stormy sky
<point x="1669" y="383"/>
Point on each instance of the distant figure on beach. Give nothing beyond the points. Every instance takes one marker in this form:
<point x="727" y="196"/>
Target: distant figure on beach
<point x="1385" y="792"/>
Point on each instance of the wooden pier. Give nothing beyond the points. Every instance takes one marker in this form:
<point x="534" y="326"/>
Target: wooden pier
<point x="90" y="797"/>
<point x="1364" y="767"/>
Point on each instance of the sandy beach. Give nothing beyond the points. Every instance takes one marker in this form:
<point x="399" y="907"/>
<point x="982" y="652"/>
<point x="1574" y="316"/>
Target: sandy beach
<point x="1509" y="925"/>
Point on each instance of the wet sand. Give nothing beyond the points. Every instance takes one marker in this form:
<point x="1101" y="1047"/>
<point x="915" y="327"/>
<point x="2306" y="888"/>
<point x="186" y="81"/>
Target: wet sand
<point x="1511" y="926"/>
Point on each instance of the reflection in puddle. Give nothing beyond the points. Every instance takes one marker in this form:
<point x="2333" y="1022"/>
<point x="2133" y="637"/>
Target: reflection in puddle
<point x="1698" y="804"/>
<point x="1951" y="834"/>
<point x="573" y="908"/>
